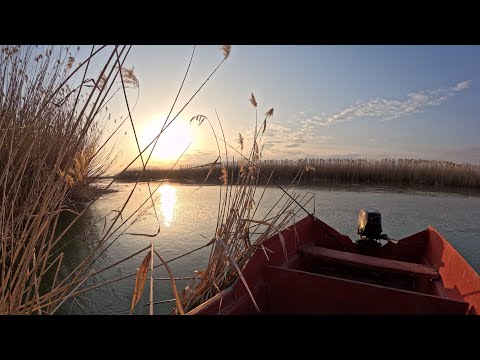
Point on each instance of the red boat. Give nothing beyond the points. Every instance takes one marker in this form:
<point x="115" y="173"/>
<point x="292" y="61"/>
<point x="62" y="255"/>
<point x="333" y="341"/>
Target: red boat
<point x="323" y="272"/>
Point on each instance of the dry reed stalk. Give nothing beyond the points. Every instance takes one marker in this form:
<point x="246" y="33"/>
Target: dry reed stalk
<point x="48" y="139"/>
<point x="124" y="225"/>
<point x="234" y="241"/>
<point x="151" y="280"/>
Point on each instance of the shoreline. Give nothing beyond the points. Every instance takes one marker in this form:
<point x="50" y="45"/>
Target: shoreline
<point x="467" y="191"/>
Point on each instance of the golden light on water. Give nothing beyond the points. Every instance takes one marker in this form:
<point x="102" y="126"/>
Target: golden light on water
<point x="168" y="198"/>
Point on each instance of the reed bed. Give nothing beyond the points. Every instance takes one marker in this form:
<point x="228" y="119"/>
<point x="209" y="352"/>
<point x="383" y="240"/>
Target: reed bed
<point x="51" y="112"/>
<point x="394" y="172"/>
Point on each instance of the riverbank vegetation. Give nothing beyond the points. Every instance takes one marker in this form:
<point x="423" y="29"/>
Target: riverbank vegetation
<point x="316" y="171"/>
<point x="52" y="150"/>
<point x="51" y="115"/>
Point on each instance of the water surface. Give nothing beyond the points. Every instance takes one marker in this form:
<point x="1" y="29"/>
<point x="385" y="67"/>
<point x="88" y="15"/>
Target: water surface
<point x="186" y="213"/>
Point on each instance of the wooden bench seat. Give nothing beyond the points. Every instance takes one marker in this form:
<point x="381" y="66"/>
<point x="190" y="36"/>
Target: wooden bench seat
<point x="369" y="262"/>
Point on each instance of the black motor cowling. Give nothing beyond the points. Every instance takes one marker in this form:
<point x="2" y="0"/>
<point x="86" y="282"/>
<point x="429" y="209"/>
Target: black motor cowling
<point x="370" y="224"/>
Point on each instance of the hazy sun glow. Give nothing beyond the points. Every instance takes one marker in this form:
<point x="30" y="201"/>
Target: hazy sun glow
<point x="172" y="143"/>
<point x="168" y="198"/>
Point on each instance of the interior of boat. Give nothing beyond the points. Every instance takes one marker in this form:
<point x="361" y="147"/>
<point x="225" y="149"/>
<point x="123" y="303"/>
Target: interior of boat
<point x="322" y="272"/>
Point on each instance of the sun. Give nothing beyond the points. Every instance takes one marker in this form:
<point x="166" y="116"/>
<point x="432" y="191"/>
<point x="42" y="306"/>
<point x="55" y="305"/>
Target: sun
<point x="172" y="143"/>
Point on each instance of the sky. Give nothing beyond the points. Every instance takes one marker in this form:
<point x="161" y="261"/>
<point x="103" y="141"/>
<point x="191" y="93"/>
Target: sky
<point x="329" y="101"/>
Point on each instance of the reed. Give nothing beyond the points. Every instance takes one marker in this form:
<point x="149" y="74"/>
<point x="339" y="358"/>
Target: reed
<point x="123" y="218"/>
<point x="49" y="138"/>
<point x="240" y="228"/>
<point x="394" y="172"/>
<point x="401" y="172"/>
<point x="51" y="111"/>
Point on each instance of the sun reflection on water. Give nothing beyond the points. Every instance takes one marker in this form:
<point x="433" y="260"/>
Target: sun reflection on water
<point x="168" y="198"/>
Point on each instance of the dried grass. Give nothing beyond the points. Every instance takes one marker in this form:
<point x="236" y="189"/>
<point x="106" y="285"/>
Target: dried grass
<point x="240" y="230"/>
<point x="49" y="158"/>
<point x="392" y="172"/>
<point x="50" y="151"/>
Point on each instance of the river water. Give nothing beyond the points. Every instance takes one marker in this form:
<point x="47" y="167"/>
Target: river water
<point x="186" y="213"/>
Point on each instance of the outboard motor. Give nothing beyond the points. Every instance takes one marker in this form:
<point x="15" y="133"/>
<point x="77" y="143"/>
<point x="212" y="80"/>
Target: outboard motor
<point x="369" y="224"/>
<point x="370" y="227"/>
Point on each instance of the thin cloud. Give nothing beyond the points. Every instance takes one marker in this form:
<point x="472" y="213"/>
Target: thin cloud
<point x="462" y="85"/>
<point x="389" y="109"/>
<point x="288" y="139"/>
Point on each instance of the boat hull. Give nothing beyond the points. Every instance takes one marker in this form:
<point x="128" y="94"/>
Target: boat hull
<point x="323" y="272"/>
